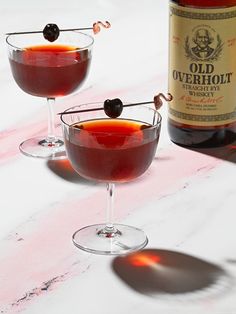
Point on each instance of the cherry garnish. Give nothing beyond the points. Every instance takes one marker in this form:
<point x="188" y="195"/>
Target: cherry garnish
<point x="113" y="107"/>
<point x="51" y="32"/>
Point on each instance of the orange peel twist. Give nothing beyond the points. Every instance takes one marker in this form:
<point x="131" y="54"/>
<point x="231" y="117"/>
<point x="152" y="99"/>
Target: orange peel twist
<point x="97" y="26"/>
<point x="158" y="102"/>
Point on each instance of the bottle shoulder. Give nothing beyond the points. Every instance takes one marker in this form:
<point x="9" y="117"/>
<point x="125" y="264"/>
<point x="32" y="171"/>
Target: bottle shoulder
<point x="206" y="3"/>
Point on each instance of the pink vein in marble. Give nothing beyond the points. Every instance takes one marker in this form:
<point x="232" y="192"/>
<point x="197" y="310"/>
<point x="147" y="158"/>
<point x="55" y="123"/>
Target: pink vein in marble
<point x="39" y="255"/>
<point x="11" y="139"/>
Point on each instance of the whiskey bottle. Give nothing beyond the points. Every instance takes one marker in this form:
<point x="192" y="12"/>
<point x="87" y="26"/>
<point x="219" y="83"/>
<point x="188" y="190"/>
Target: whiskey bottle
<point x="202" y="72"/>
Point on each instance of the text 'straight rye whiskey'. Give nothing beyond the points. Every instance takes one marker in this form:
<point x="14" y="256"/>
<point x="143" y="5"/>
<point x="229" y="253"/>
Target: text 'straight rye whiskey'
<point x="202" y="72"/>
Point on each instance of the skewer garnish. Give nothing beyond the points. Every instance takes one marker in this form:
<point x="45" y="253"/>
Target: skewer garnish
<point x="51" y="31"/>
<point x="114" y="107"/>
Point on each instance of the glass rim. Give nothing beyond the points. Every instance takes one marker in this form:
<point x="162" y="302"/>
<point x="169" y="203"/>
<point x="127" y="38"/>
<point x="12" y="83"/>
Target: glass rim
<point x="156" y="125"/>
<point x="51" y="43"/>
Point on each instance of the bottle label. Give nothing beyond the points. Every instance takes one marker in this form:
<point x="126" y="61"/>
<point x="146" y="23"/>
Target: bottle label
<point x="202" y="65"/>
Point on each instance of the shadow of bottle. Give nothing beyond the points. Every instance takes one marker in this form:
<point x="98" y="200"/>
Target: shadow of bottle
<point x="227" y="152"/>
<point x="165" y="274"/>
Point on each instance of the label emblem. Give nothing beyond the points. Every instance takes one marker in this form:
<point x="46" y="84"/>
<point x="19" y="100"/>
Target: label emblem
<point x="203" y="45"/>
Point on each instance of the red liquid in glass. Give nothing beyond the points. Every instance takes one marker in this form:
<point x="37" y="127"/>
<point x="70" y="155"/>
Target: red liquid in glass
<point x="111" y="150"/>
<point x="50" y="70"/>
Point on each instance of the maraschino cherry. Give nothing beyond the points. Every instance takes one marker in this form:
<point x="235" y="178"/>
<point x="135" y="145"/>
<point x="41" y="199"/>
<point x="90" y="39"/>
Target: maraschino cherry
<point x="113" y="107"/>
<point x="51" y="32"/>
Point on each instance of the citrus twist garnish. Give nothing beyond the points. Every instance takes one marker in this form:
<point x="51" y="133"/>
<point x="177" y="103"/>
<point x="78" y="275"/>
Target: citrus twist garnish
<point x="97" y="26"/>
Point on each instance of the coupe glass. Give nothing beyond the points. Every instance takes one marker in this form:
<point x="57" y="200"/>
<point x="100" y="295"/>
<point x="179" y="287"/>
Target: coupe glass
<point x="110" y="151"/>
<point x="49" y="69"/>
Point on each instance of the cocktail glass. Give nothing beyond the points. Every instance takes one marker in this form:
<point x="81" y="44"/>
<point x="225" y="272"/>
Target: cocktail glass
<point x="49" y="69"/>
<point x="110" y="151"/>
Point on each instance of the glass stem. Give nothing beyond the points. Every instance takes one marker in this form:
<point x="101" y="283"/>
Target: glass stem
<point x="110" y="202"/>
<point x="51" y="120"/>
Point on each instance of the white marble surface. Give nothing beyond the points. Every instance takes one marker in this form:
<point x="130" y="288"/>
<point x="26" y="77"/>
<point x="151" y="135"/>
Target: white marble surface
<point x="185" y="202"/>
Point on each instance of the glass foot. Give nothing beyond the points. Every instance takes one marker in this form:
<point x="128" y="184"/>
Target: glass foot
<point x="42" y="148"/>
<point x="121" y="240"/>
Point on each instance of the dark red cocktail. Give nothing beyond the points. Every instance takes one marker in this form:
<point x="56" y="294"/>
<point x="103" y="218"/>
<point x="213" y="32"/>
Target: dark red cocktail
<point x="111" y="150"/>
<point x="50" y="70"/>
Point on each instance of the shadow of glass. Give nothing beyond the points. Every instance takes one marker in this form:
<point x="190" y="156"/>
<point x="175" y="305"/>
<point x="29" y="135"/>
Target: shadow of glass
<point x="63" y="169"/>
<point x="163" y="273"/>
